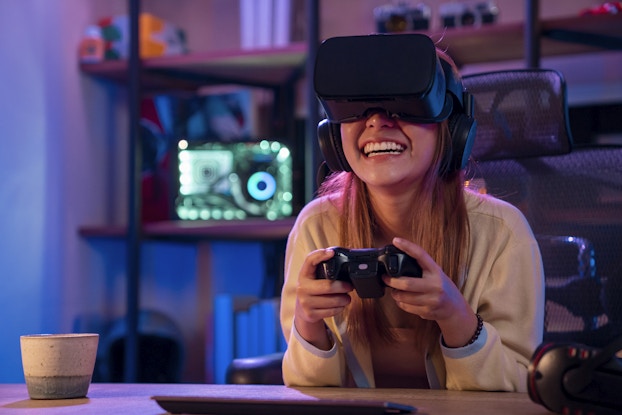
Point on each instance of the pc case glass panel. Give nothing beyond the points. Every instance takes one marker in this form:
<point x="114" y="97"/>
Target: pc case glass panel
<point x="234" y="181"/>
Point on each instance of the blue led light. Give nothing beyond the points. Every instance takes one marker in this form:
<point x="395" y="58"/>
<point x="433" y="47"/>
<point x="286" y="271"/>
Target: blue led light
<point x="261" y="185"/>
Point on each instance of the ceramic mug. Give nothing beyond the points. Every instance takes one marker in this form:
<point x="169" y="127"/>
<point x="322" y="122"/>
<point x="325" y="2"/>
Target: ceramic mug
<point x="58" y="366"/>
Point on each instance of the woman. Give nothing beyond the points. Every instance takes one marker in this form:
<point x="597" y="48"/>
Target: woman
<point x="474" y="318"/>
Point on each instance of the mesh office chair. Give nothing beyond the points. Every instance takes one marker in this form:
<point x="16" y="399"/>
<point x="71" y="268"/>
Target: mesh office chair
<point x="572" y="197"/>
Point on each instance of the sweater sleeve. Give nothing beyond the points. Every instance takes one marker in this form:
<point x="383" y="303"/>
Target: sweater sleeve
<point x="505" y="285"/>
<point x="304" y="364"/>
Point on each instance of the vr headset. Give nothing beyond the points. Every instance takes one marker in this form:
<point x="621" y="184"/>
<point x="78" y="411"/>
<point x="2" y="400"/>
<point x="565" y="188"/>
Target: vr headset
<point x="573" y="378"/>
<point x="397" y="73"/>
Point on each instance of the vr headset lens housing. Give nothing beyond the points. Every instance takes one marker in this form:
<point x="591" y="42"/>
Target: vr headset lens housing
<point x="399" y="74"/>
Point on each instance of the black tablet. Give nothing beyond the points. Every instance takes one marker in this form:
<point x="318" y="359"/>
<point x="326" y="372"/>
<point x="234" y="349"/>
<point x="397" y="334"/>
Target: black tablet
<point x="273" y="406"/>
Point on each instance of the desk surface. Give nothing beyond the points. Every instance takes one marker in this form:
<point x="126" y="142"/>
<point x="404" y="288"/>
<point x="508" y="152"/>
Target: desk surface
<point x="118" y="398"/>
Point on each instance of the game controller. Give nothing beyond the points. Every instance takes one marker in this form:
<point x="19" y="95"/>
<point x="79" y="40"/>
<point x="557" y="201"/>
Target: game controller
<point x="364" y="267"/>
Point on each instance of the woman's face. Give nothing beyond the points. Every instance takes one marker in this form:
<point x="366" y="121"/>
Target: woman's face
<point x="387" y="152"/>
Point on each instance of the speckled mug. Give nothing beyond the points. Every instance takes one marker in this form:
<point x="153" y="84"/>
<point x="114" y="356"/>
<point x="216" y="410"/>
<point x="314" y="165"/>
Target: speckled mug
<point x="58" y="366"/>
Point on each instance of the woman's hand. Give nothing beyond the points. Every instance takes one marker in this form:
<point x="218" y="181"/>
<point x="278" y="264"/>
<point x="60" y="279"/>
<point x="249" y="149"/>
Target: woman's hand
<point x="317" y="299"/>
<point x="434" y="296"/>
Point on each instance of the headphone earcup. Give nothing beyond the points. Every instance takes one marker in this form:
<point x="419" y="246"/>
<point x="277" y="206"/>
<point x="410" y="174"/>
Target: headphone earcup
<point x="329" y="138"/>
<point x="462" y="129"/>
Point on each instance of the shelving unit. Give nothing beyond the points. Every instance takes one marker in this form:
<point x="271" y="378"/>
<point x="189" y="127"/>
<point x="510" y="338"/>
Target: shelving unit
<point x="274" y="69"/>
<point x="247" y="230"/>
<point x="280" y="69"/>
<point x="557" y="37"/>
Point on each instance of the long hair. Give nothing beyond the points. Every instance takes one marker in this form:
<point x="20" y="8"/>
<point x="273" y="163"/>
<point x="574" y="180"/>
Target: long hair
<point x="438" y="223"/>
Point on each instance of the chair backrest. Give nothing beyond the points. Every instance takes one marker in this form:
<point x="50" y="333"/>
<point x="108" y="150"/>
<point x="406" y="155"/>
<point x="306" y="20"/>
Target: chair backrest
<point x="572" y="197"/>
<point x="519" y="113"/>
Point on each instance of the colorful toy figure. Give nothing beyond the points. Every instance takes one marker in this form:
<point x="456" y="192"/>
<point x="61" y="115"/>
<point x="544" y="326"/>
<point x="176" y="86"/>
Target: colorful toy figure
<point x="109" y="39"/>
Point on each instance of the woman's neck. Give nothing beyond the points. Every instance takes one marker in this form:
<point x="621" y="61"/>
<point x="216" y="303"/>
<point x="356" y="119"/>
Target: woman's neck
<point x="393" y="216"/>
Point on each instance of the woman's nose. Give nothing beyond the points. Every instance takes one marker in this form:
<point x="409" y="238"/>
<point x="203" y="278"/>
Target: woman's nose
<point x="379" y="119"/>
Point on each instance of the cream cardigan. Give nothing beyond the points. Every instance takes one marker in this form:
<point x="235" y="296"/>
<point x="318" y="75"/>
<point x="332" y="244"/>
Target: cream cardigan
<point x="504" y="283"/>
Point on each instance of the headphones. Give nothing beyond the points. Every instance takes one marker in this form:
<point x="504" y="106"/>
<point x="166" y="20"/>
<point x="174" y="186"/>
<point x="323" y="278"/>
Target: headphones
<point x="570" y="378"/>
<point x="462" y="128"/>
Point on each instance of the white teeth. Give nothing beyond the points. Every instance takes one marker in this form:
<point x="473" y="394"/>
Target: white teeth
<point x="386" y="147"/>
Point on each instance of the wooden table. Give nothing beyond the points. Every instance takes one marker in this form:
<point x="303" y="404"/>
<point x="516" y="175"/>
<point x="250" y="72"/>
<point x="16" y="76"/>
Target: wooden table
<point x="119" y="398"/>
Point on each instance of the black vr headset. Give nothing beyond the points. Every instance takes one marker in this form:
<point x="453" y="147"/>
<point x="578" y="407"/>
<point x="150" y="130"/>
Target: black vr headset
<point x="397" y="73"/>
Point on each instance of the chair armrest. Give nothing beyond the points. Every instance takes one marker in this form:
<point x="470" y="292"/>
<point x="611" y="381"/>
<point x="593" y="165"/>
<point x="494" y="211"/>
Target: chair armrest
<point x="259" y="370"/>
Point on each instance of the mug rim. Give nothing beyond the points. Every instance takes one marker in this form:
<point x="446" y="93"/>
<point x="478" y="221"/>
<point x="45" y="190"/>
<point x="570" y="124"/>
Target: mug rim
<point x="57" y="335"/>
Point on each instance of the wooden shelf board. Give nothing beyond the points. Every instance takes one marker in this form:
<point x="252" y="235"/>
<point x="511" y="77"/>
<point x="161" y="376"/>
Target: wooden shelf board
<point x="260" y="67"/>
<point x="495" y="43"/>
<point x="251" y="229"/>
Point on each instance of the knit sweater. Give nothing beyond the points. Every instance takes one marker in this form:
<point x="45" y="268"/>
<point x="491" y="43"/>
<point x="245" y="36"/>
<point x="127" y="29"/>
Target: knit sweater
<point x="504" y="283"/>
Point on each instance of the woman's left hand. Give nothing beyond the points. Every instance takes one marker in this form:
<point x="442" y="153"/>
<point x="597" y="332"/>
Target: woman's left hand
<point x="434" y="296"/>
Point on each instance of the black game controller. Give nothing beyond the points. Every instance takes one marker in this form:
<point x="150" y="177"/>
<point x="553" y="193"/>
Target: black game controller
<point x="364" y="267"/>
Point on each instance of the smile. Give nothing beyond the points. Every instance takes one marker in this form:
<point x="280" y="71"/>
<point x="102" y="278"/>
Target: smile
<point x="386" y="147"/>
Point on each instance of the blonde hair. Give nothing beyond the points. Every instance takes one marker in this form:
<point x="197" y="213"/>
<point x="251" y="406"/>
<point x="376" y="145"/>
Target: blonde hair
<point x="439" y="224"/>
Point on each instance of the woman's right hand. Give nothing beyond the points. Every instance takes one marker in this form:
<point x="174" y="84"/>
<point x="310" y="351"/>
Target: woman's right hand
<point x="317" y="299"/>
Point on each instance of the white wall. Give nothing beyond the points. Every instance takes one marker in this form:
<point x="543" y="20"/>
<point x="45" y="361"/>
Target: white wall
<point x="51" y="160"/>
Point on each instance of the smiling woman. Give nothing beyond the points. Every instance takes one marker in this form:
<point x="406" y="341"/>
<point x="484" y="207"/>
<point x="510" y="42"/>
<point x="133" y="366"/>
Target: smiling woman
<point x="383" y="150"/>
<point x="423" y="91"/>
<point x="398" y="147"/>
